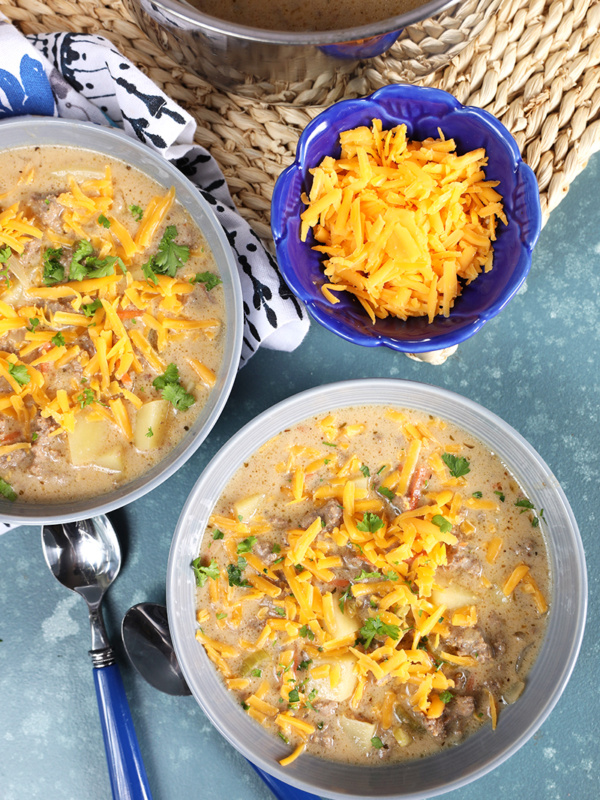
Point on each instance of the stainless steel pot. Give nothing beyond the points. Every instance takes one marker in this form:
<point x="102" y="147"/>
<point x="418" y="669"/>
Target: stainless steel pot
<point x="306" y="68"/>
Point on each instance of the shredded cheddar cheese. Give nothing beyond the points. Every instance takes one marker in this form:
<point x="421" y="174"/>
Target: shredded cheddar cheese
<point x="50" y="336"/>
<point x="403" y="225"/>
<point x="385" y="633"/>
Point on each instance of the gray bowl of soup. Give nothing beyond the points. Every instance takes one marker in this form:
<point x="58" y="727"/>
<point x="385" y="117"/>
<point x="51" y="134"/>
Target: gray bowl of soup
<point x="377" y="589"/>
<point x="305" y="52"/>
<point x="120" y="319"/>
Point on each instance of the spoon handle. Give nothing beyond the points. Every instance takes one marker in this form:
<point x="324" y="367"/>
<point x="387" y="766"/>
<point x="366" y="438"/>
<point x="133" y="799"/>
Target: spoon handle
<point x="125" y="766"/>
<point x="281" y="790"/>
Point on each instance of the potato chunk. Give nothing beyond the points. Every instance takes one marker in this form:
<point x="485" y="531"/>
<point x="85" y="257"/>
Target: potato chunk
<point x="452" y="597"/>
<point x="151" y="424"/>
<point x="360" y="732"/>
<point x="347" y="682"/>
<point x="344" y="622"/>
<point x="247" y="508"/>
<point x="91" y="444"/>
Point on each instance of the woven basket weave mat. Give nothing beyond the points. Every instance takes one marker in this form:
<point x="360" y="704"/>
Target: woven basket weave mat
<point x="535" y="66"/>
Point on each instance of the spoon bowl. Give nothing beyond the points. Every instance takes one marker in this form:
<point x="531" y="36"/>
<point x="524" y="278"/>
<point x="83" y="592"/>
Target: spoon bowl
<point x="84" y="556"/>
<point x="147" y="642"/>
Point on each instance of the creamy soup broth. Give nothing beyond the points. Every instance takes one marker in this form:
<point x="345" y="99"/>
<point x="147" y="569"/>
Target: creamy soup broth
<point x="86" y="447"/>
<point x="371" y="475"/>
<point x="293" y="15"/>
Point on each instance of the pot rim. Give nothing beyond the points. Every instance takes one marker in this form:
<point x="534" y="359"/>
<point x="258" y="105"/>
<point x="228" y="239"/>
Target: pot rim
<point x="185" y="12"/>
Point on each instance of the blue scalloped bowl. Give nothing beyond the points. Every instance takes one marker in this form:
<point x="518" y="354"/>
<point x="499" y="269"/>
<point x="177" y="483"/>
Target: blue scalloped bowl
<point x="423" y="111"/>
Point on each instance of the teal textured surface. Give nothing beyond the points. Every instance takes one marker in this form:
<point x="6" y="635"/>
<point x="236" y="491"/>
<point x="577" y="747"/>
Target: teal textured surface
<point x="536" y="365"/>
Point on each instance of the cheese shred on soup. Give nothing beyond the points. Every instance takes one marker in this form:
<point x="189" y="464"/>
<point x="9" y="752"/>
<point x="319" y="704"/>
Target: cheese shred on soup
<point x="373" y="586"/>
<point x="111" y="323"/>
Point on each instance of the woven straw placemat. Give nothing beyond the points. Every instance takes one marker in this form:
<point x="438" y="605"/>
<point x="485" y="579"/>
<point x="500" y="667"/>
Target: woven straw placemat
<point x="535" y="66"/>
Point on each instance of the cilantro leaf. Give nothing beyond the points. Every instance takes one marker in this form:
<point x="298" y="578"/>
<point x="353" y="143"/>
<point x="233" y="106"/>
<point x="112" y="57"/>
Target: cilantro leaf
<point x="7" y="491"/>
<point x="280" y="611"/>
<point x="256" y="673"/>
<point x="365" y="470"/>
<point x="148" y="272"/>
<point x="19" y="373"/>
<point x="391" y="575"/>
<point x="376" y="742"/>
<point x="218" y="534"/>
<point x="457" y="465"/>
<point x="221" y="615"/>
<point x="81" y="251"/>
<point x="170" y="375"/>
<point x="305" y="664"/>
<point x="386" y="492"/>
<point x="204" y="573"/>
<point x="104" y="221"/>
<point x="294" y="696"/>
<point x="234" y="573"/>
<point x="89" y="309"/>
<point x="373" y="627"/>
<point x="137" y="212"/>
<point x="478" y="495"/>
<point x="168" y="384"/>
<point x="58" y="340"/>
<point x="276" y="548"/>
<point x="501" y="495"/>
<point x="524" y="503"/>
<point x="208" y="279"/>
<point x="168" y="258"/>
<point x="306" y="632"/>
<point x="177" y="396"/>
<point x="446" y="696"/>
<point x="85" y="265"/>
<point x="34" y="322"/>
<point x="102" y="267"/>
<point x="246" y="545"/>
<point x="85" y="398"/>
<point x="370" y="522"/>
<point x="149" y="432"/>
<point x="5" y="254"/>
<point x="362" y="575"/>
<point x="443" y="524"/>
<point x="54" y="271"/>
<point x="344" y="597"/>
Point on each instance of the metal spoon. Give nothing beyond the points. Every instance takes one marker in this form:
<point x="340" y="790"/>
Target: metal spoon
<point x="147" y="641"/>
<point x="85" y="557"/>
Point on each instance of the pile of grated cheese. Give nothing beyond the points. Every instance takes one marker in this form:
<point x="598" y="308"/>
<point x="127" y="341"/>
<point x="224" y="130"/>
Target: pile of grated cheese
<point x="118" y="352"/>
<point x="403" y="224"/>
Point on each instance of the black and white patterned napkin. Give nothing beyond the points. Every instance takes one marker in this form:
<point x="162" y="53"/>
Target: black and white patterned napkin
<point x="83" y="77"/>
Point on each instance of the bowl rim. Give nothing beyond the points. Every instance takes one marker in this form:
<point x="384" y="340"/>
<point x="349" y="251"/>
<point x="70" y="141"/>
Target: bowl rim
<point x="201" y="20"/>
<point x="33" y="126"/>
<point x="201" y="675"/>
<point x="333" y="116"/>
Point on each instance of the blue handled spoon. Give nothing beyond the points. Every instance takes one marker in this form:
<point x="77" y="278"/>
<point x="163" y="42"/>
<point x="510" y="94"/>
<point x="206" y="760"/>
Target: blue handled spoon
<point x="147" y="641"/>
<point x="85" y="557"/>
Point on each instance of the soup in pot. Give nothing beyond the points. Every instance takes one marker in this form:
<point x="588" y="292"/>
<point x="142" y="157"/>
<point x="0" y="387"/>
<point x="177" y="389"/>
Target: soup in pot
<point x="373" y="586"/>
<point x="298" y="15"/>
<point x="111" y="323"/>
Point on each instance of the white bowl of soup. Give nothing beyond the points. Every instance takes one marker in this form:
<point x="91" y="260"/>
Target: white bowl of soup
<point x="120" y="319"/>
<point x="377" y="589"/>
